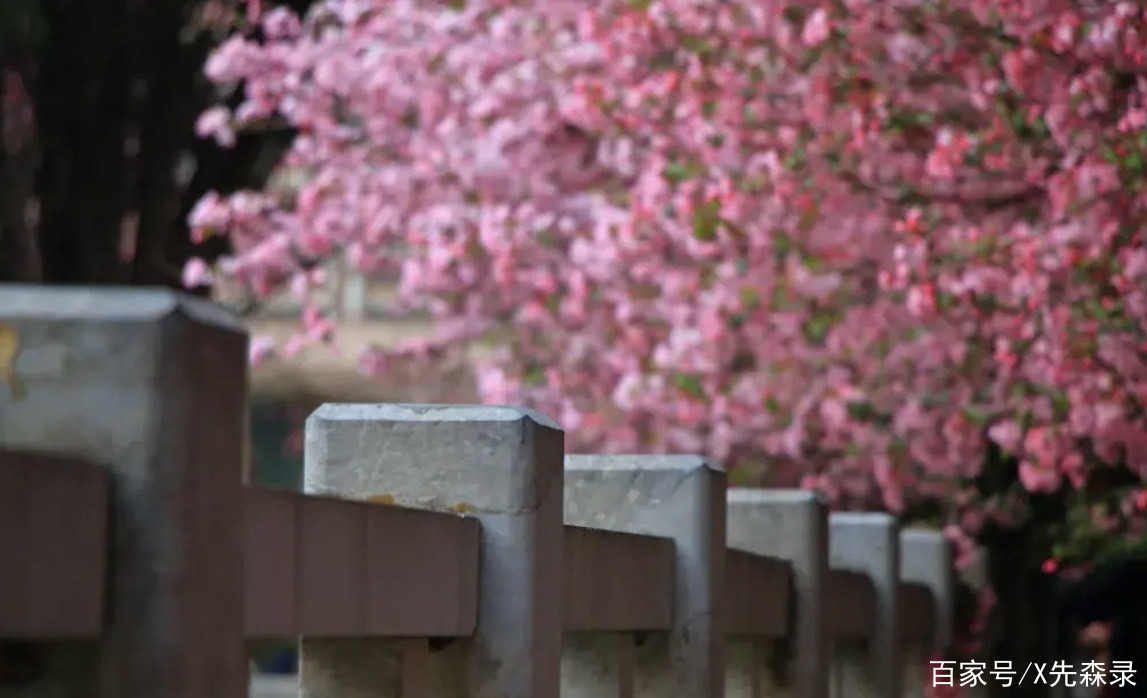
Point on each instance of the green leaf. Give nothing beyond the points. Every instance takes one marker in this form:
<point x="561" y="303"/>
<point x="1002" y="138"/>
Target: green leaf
<point x="862" y="411"/>
<point x="741" y="475"/>
<point x="675" y="173"/>
<point x="706" y="219"/>
<point x="781" y="299"/>
<point x="976" y="415"/>
<point x="782" y="243"/>
<point x="1060" y="405"/>
<point x="901" y="120"/>
<point x="1097" y="310"/>
<point x="794" y="14"/>
<point x="985" y="302"/>
<point x="689" y="384"/>
<point x="795" y="158"/>
<point x="898" y="448"/>
<point x="750" y="299"/>
<point x="697" y="45"/>
<point x="813" y="264"/>
<point x="936" y="399"/>
<point x="817" y="327"/>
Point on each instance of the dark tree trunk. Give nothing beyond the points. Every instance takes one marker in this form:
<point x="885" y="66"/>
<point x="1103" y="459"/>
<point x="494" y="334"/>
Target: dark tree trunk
<point x="113" y="91"/>
<point x="19" y="151"/>
<point x="175" y="94"/>
<point x="82" y="103"/>
<point x="1026" y="611"/>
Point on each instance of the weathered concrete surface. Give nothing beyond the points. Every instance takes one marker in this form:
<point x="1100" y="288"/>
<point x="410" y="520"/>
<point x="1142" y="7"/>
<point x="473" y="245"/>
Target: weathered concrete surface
<point x="152" y="385"/>
<point x="677" y="497"/>
<point x="926" y="558"/>
<point x="791" y="525"/>
<point x="868" y="543"/>
<point x="273" y="686"/>
<point x="598" y="665"/>
<point x="503" y="465"/>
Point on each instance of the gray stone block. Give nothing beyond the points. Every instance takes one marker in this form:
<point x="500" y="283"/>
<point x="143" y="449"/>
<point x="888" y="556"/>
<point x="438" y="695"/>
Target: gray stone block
<point x="151" y="385"/>
<point x="869" y="543"/>
<point x="503" y="465"/>
<point x="677" y="497"/>
<point x="926" y="558"/>
<point x="791" y="525"/>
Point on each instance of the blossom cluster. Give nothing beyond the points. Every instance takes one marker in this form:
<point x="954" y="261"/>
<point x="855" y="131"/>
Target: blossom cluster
<point x="862" y="245"/>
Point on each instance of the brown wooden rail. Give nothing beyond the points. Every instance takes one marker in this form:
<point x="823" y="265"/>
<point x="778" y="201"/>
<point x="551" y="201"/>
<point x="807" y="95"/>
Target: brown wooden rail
<point x="851" y="605"/>
<point x="53" y="547"/>
<point x="314" y="566"/>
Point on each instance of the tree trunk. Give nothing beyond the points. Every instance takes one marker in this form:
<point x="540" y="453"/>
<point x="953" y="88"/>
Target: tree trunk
<point x="116" y="87"/>
<point x="175" y="96"/>
<point x="19" y="248"/>
<point x="82" y="103"/>
<point x="1026" y="612"/>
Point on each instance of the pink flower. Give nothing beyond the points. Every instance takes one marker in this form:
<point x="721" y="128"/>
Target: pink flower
<point x="280" y="23"/>
<point x="196" y="273"/>
<point x="817" y="28"/>
<point x="1007" y="434"/>
<point x="260" y="350"/>
<point x="1039" y="479"/>
<point x="215" y="123"/>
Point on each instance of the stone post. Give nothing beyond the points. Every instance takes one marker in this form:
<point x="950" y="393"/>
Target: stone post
<point x="151" y="385"/>
<point x="677" y="497"/>
<point x="503" y="465"/>
<point x="869" y="543"/>
<point x="791" y="525"/>
<point x="926" y="558"/>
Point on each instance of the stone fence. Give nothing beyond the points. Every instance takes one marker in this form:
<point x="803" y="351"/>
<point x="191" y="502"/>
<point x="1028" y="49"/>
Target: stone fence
<point x="438" y="550"/>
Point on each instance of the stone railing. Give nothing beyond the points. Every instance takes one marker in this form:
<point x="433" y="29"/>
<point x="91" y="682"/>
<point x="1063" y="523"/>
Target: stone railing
<point x="437" y="550"/>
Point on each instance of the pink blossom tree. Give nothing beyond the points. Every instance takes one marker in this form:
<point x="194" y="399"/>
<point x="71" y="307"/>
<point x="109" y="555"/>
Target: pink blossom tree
<point x="891" y="250"/>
